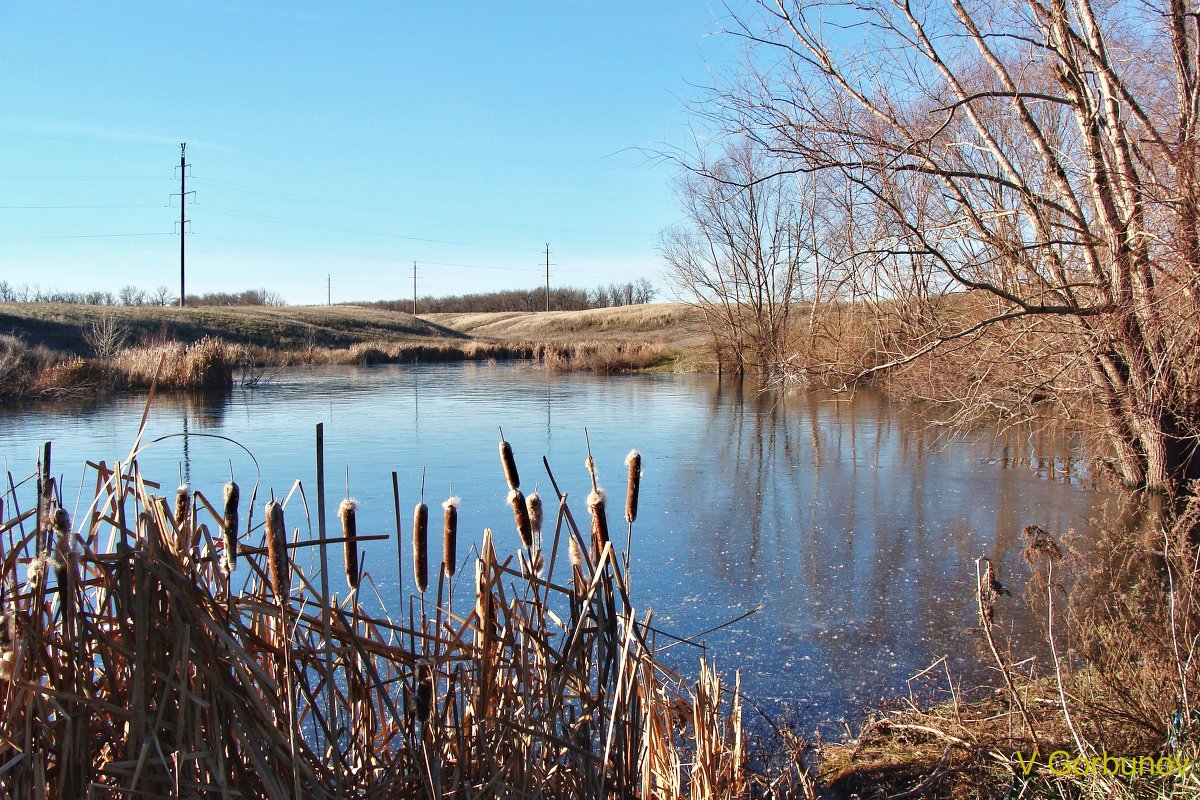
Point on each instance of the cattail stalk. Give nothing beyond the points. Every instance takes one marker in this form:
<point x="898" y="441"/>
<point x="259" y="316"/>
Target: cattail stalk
<point x="521" y="515"/>
<point x="346" y="512"/>
<point x="277" y="560"/>
<point x="509" y="464"/>
<point x="229" y="526"/>
<point x="450" y="535"/>
<point x="634" y="462"/>
<point x="421" y="546"/>
<point x="424" y="691"/>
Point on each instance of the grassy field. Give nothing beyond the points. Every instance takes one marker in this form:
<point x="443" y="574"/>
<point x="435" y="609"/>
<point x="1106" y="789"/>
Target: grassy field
<point x="61" y="327"/>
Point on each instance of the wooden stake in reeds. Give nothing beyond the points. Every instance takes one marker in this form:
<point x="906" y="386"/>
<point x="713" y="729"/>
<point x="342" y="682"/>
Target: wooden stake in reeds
<point x="277" y="560"/>
<point x="450" y="535"/>
<point x="421" y="546"/>
<point x="521" y="514"/>
<point x="634" y="462"/>
<point x="229" y="526"/>
<point x="346" y="512"/>
<point x="509" y="464"/>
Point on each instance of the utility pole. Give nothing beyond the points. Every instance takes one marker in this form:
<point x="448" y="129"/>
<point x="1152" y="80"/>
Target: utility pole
<point x="328" y="289"/>
<point x="414" y="288"/>
<point x="547" y="276"/>
<point x="183" y="221"/>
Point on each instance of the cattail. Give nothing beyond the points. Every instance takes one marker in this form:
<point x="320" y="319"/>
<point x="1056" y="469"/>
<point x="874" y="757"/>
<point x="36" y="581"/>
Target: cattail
<point x="450" y="535"/>
<point x="424" y="691"/>
<point x="62" y="522"/>
<point x="182" y="502"/>
<point x="574" y="554"/>
<point x="510" y="465"/>
<point x="421" y="546"/>
<point x="534" y="504"/>
<point x="277" y="561"/>
<point x="634" y="462"/>
<point x="229" y="526"/>
<point x="521" y="515"/>
<point x="346" y="512"/>
<point x="595" y="504"/>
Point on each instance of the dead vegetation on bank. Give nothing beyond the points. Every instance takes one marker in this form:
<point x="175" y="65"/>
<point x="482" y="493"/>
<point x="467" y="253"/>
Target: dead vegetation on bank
<point x="1111" y="713"/>
<point x="190" y="648"/>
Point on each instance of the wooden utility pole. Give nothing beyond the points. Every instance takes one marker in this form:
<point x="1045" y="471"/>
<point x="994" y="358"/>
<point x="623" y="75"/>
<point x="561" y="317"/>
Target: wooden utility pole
<point x="328" y="289"/>
<point x="547" y="276"/>
<point x="183" y="221"/>
<point x="414" y="288"/>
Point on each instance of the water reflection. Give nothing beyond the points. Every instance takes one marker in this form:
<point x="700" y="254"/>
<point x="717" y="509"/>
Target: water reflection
<point x="855" y="525"/>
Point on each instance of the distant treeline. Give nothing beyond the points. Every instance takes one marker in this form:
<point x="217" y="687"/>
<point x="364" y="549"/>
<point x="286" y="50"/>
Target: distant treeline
<point x="133" y="296"/>
<point x="565" y="298"/>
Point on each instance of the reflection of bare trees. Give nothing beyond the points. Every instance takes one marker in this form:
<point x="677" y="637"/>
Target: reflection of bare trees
<point x="857" y="524"/>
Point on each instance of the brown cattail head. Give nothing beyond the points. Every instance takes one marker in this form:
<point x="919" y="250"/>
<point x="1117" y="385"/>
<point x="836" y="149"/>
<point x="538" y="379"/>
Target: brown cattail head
<point x="229" y="526"/>
<point x="521" y="515"/>
<point x="510" y="466"/>
<point x="277" y="560"/>
<point x="421" y="546"/>
<point x="182" y="503"/>
<point x="62" y="522"/>
<point x="534" y="504"/>
<point x="346" y="512"/>
<point x="595" y="504"/>
<point x="634" y="462"/>
<point x="450" y="535"/>
<point x="424" y="691"/>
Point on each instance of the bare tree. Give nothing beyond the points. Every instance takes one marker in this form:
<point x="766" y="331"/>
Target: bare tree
<point x="103" y="334"/>
<point x="1042" y="154"/>
<point x="742" y="256"/>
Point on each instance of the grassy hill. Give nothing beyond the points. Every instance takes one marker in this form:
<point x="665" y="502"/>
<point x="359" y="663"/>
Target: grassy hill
<point x="61" y="327"/>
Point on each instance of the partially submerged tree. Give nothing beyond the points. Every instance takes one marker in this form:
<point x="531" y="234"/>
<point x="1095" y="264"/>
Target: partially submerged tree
<point x="1040" y="153"/>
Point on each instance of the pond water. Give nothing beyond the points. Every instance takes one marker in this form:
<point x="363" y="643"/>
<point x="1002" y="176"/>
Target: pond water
<point x="852" y="523"/>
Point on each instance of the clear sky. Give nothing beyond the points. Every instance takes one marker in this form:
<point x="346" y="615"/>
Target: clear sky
<point x="345" y="140"/>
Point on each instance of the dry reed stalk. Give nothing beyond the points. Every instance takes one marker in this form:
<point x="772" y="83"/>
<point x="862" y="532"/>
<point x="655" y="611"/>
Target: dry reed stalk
<point x="421" y="546"/>
<point x="634" y="462"/>
<point x="509" y="464"/>
<point x="450" y="535"/>
<point x="277" y="558"/>
<point x="229" y="526"/>
<point x="521" y="516"/>
<point x="346" y="513"/>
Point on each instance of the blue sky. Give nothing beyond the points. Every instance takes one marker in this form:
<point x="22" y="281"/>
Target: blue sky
<point x="346" y="140"/>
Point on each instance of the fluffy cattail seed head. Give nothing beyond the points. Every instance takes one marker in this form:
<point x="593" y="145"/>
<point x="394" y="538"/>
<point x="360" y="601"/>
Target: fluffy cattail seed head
<point x="574" y="554"/>
<point x="634" y="462"/>
<point x="277" y="561"/>
<point x="346" y="513"/>
<point x="450" y="535"/>
<point x="534" y="504"/>
<point x="521" y="515"/>
<point x="229" y="526"/>
<point x="182" y="503"/>
<point x="510" y="466"/>
<point x="421" y="546"/>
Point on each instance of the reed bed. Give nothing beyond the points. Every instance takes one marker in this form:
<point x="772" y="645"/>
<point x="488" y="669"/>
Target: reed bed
<point x="138" y="661"/>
